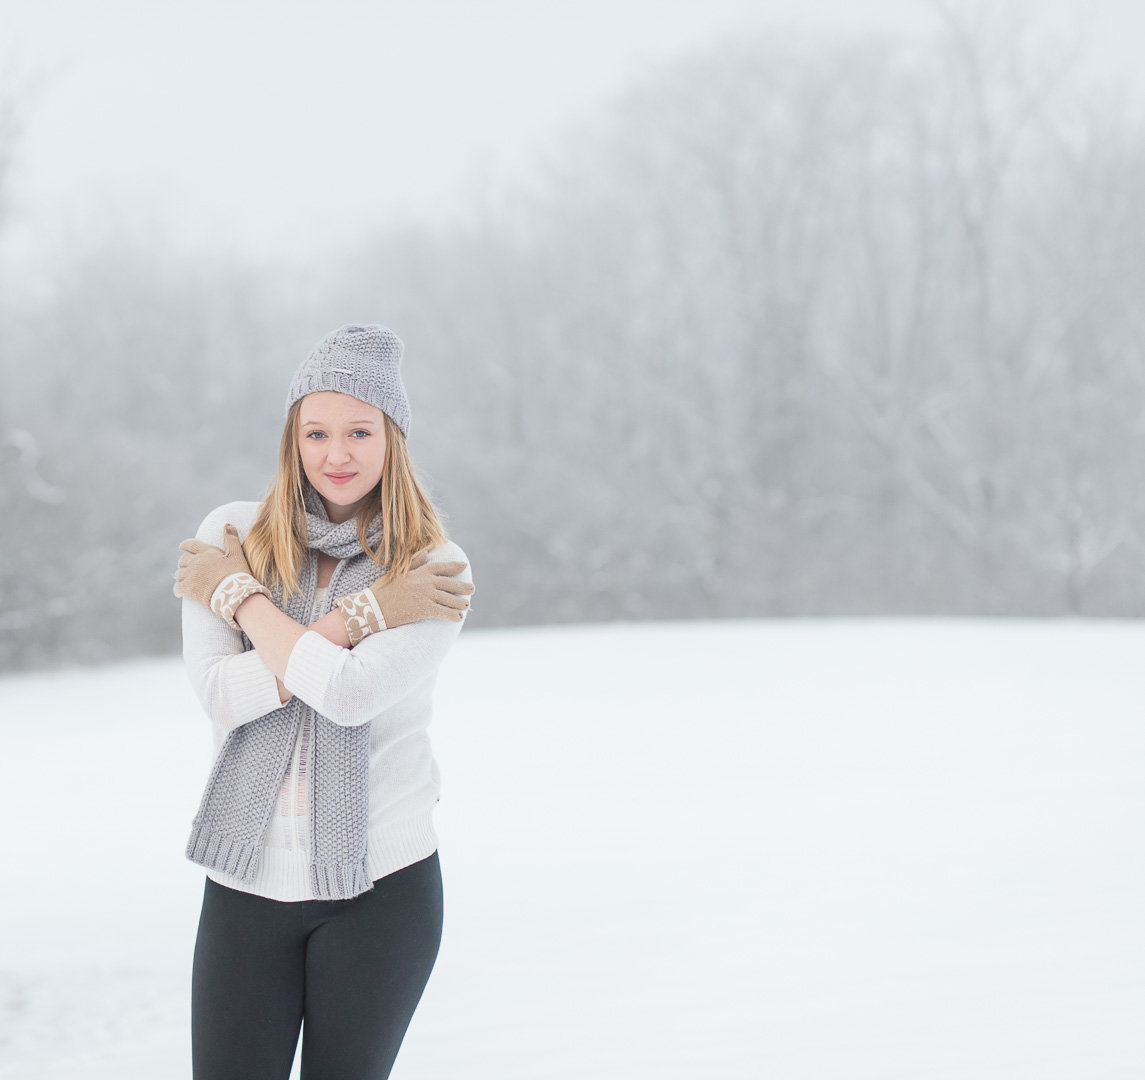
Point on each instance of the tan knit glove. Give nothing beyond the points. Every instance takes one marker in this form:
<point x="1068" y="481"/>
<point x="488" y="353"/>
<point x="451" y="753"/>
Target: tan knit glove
<point x="429" y="591"/>
<point x="217" y="578"/>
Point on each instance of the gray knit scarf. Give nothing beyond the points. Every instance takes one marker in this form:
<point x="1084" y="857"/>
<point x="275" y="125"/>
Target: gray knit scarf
<point x="241" y="793"/>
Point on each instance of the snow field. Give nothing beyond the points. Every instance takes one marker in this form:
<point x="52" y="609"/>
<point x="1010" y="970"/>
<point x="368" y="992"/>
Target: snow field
<point x="805" y="850"/>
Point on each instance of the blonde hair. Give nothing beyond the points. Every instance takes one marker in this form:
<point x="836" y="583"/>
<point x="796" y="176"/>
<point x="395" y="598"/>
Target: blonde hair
<point x="276" y="546"/>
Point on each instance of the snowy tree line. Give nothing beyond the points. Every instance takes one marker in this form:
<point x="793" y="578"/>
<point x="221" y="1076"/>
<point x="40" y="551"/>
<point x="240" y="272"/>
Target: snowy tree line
<point x="794" y="328"/>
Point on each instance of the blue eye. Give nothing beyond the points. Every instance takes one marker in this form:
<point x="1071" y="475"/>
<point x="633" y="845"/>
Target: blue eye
<point x="322" y="434"/>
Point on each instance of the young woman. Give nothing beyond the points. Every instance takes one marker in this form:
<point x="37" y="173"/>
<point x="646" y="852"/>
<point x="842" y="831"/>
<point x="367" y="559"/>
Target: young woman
<point x="313" y="626"/>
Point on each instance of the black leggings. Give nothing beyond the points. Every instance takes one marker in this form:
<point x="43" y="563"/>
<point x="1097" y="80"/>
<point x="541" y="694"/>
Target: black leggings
<point x="353" y="969"/>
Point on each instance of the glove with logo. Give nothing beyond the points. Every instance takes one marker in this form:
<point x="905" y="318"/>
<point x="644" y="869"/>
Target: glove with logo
<point x="217" y="578"/>
<point x="429" y="591"/>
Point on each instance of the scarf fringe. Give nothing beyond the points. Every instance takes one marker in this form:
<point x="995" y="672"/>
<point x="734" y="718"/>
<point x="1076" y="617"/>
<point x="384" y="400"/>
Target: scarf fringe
<point x="339" y="880"/>
<point x="227" y="854"/>
<point x="239" y="859"/>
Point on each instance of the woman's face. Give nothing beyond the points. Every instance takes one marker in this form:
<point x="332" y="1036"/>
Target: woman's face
<point x="343" y="445"/>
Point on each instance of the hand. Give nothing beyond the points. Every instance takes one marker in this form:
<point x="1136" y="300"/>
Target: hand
<point x="429" y="591"/>
<point x="216" y="578"/>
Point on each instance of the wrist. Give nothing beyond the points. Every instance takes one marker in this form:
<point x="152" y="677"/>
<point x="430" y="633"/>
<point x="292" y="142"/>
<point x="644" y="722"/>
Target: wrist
<point x="231" y="592"/>
<point x="362" y="615"/>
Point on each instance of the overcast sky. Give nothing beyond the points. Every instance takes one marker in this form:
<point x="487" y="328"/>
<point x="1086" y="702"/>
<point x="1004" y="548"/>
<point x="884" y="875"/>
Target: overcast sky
<point x="279" y="130"/>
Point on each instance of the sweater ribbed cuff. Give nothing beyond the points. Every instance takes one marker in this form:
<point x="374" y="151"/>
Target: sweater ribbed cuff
<point x="251" y="688"/>
<point x="308" y="668"/>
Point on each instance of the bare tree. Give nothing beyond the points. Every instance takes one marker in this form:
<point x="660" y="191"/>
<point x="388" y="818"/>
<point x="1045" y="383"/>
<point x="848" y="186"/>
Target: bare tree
<point x="791" y="327"/>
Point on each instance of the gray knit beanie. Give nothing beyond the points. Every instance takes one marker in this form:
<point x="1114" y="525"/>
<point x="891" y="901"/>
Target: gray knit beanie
<point x="362" y="361"/>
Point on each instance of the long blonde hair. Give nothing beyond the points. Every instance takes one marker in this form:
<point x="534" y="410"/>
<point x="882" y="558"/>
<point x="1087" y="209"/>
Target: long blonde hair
<point x="276" y="546"/>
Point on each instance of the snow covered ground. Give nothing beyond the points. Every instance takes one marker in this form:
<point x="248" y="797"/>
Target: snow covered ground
<point x="816" y="850"/>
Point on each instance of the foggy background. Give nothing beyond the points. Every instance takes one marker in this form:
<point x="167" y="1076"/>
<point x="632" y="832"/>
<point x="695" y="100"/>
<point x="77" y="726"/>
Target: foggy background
<point x="707" y="313"/>
<point x="717" y="315"/>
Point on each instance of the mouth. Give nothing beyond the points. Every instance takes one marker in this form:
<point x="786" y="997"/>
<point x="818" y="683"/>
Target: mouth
<point x="340" y="478"/>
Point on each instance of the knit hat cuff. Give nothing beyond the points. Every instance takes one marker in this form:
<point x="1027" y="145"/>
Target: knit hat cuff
<point x="362" y="361"/>
<point x="396" y="408"/>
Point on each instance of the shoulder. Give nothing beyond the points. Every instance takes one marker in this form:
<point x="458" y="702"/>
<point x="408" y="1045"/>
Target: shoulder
<point x="239" y="514"/>
<point x="451" y="552"/>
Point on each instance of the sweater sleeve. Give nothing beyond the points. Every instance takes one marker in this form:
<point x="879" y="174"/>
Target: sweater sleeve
<point x="352" y="686"/>
<point x="233" y="686"/>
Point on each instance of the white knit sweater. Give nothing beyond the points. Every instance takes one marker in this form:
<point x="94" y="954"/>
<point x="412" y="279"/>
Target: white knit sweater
<point x="386" y="680"/>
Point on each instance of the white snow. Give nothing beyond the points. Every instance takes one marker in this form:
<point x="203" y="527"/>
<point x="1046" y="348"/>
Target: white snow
<point x="813" y="850"/>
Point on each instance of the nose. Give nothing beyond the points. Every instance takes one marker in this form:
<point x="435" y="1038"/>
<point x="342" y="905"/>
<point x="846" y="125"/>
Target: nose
<point x="339" y="451"/>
